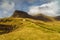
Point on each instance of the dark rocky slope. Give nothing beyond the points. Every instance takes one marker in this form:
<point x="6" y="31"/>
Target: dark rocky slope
<point x="20" y="14"/>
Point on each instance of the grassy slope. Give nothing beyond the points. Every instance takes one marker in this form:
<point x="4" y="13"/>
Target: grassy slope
<point x="29" y="29"/>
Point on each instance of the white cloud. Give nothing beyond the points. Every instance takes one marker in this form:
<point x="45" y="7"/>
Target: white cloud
<point x="5" y="12"/>
<point x="7" y="8"/>
<point x="49" y="9"/>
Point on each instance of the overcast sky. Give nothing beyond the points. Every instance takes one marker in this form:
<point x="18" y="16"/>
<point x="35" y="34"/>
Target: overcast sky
<point x="7" y="7"/>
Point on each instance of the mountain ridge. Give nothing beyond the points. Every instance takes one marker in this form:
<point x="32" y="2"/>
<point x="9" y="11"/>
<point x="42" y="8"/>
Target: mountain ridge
<point x="22" y="14"/>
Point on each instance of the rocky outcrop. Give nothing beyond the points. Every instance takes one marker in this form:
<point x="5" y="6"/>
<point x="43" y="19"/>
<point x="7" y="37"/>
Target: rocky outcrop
<point x="6" y="28"/>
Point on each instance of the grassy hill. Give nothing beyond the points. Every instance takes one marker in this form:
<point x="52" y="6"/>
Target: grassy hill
<point x="21" y="26"/>
<point x="28" y="29"/>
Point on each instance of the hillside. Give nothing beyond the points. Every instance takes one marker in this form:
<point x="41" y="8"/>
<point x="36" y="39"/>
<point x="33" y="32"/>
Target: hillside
<point x="20" y="28"/>
<point x="30" y="29"/>
<point x="57" y="18"/>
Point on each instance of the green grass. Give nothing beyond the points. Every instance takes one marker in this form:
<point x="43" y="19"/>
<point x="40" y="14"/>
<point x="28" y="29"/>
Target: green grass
<point x="29" y="29"/>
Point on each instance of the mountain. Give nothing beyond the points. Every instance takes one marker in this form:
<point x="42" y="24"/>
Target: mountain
<point x="43" y="18"/>
<point x="22" y="14"/>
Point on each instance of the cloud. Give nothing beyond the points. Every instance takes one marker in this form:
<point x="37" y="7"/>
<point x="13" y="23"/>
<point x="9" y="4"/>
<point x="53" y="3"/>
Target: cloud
<point x="20" y="4"/>
<point x="6" y="8"/>
<point x="5" y="12"/>
<point x="49" y="9"/>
